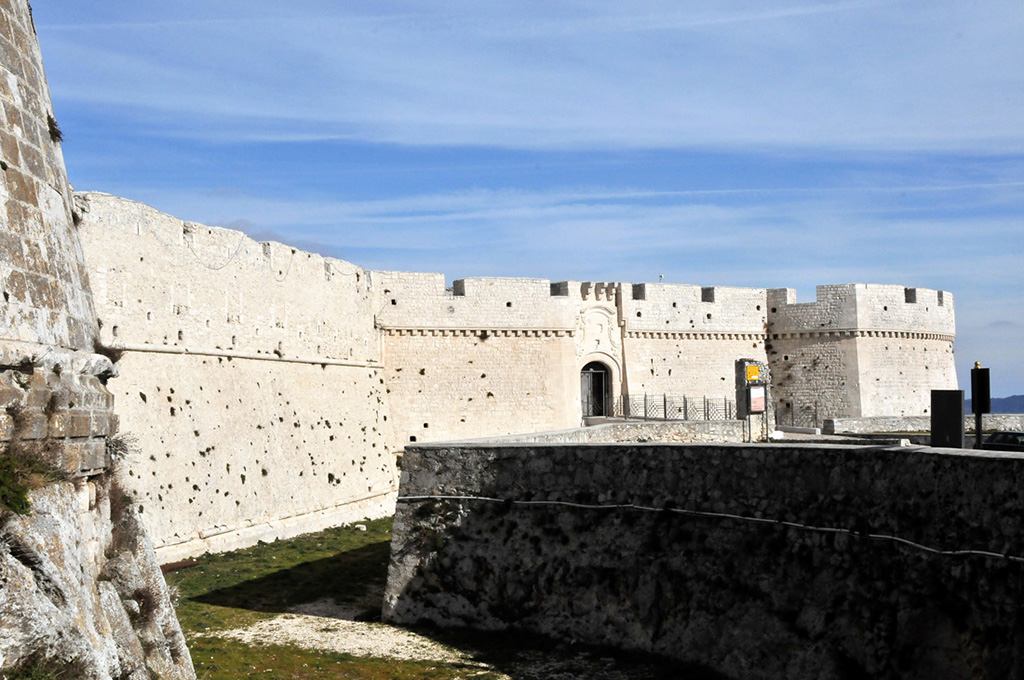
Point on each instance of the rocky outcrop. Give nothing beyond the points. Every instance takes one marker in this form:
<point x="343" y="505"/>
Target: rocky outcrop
<point x="81" y="591"/>
<point x="81" y="595"/>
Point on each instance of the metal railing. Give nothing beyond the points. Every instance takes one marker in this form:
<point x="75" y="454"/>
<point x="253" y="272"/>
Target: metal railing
<point x="666" y="407"/>
<point x="799" y="413"/>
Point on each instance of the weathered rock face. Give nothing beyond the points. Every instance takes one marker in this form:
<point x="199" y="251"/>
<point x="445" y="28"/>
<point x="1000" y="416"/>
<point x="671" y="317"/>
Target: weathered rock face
<point x="80" y="591"/>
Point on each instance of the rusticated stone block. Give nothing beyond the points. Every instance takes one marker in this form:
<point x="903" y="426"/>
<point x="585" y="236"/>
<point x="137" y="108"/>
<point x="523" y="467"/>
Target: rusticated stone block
<point x="9" y="148"/>
<point x="32" y="160"/>
<point x="31" y="424"/>
<point x="21" y="186"/>
<point x="104" y="424"/>
<point x="58" y="425"/>
<point x="90" y="454"/>
<point x="79" y="424"/>
<point x="5" y="26"/>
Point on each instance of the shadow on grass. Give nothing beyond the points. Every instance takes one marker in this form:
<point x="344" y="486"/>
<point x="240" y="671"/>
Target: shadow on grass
<point x="522" y="655"/>
<point x="344" y="577"/>
<point x="228" y="590"/>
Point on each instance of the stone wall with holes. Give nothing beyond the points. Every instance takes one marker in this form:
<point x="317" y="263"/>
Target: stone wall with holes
<point x="684" y="340"/>
<point x="458" y="384"/>
<point x="166" y="283"/>
<point x="196" y="307"/>
<point x="723" y="555"/>
<point x="232" y="451"/>
<point x="484" y="357"/>
<point x="815" y="377"/>
<point x="859" y="350"/>
<point x="250" y="376"/>
<point x="529" y="338"/>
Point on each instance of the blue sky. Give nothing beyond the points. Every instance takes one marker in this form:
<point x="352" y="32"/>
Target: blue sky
<point x="717" y="143"/>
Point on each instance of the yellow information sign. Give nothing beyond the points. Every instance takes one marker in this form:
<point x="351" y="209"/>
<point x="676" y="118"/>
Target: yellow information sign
<point x="753" y="373"/>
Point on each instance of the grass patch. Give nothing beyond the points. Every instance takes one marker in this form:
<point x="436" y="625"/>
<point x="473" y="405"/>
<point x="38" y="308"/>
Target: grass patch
<point x="22" y="469"/>
<point x="234" y="589"/>
<point x="237" y="589"/>
<point x="220" y="659"/>
<point x="26" y="465"/>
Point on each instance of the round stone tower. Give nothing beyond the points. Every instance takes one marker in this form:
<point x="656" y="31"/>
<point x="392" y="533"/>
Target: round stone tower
<point x="75" y="561"/>
<point x="51" y="378"/>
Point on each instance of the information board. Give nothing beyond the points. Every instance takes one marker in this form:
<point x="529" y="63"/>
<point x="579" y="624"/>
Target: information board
<point x="757" y="399"/>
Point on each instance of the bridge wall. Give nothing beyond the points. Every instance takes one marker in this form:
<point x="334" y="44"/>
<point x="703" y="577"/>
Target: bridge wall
<point x="758" y="561"/>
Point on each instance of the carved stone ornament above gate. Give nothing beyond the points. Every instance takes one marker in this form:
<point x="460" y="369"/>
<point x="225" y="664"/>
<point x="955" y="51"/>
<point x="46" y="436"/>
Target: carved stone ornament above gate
<point x="598" y="331"/>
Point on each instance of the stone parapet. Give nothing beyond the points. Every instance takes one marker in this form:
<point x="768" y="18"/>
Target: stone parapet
<point x="857" y="561"/>
<point x="992" y="421"/>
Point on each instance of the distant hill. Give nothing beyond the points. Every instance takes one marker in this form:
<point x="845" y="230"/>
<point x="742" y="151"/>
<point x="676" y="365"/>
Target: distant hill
<point x="1014" y="404"/>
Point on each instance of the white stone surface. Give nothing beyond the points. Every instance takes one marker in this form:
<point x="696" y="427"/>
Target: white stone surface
<point x="240" y="353"/>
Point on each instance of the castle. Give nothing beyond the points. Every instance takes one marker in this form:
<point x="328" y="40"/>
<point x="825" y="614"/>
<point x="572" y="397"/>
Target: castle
<point x="270" y="388"/>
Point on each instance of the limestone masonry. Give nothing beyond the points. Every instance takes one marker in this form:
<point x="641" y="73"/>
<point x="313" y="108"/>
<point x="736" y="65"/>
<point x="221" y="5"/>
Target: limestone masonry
<point x="271" y="388"/>
<point x="803" y="562"/>
<point x="81" y="593"/>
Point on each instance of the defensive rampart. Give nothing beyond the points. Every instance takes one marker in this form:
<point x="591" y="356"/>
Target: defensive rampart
<point x="859" y="350"/>
<point x="251" y="379"/>
<point x="992" y="421"/>
<point x="484" y="357"/>
<point x="271" y="387"/>
<point x="760" y="561"/>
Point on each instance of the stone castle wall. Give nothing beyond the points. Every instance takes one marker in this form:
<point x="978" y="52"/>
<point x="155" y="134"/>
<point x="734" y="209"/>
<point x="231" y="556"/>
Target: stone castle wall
<point x="759" y="562"/>
<point x="251" y="378"/>
<point x="859" y="350"/>
<point x="75" y="563"/>
<point x="684" y="340"/>
<point x="485" y="357"/>
<point x="254" y="338"/>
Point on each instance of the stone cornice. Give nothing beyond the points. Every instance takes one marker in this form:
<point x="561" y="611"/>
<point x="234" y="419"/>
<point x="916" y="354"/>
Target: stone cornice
<point x="694" y="335"/>
<point x="233" y="354"/>
<point x="420" y="331"/>
<point x="844" y="333"/>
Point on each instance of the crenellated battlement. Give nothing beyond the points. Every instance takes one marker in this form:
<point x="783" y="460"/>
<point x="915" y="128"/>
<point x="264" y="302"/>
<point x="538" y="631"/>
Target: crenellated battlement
<point x="232" y="343"/>
<point x="676" y="308"/>
<point x="182" y="286"/>
<point x="863" y="307"/>
<point x="412" y="300"/>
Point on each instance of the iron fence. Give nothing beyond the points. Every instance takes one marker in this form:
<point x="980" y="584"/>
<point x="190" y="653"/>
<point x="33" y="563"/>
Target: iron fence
<point x="666" y="407"/>
<point x="799" y="413"/>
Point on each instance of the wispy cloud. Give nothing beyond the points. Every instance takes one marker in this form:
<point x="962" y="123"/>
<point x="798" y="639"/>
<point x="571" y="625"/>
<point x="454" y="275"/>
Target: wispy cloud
<point x="846" y="75"/>
<point x="721" y="142"/>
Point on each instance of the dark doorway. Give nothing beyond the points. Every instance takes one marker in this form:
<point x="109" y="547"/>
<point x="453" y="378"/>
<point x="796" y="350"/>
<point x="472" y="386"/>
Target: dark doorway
<point x="594" y="384"/>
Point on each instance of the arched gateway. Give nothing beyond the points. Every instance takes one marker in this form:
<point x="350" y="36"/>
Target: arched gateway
<point x="595" y="387"/>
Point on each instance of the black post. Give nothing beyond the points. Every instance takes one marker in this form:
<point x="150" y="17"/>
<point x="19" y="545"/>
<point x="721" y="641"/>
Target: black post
<point x="948" y="418"/>
<point x="981" y="399"/>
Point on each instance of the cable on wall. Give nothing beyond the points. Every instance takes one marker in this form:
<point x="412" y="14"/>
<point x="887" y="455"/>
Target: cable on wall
<point x="724" y="515"/>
